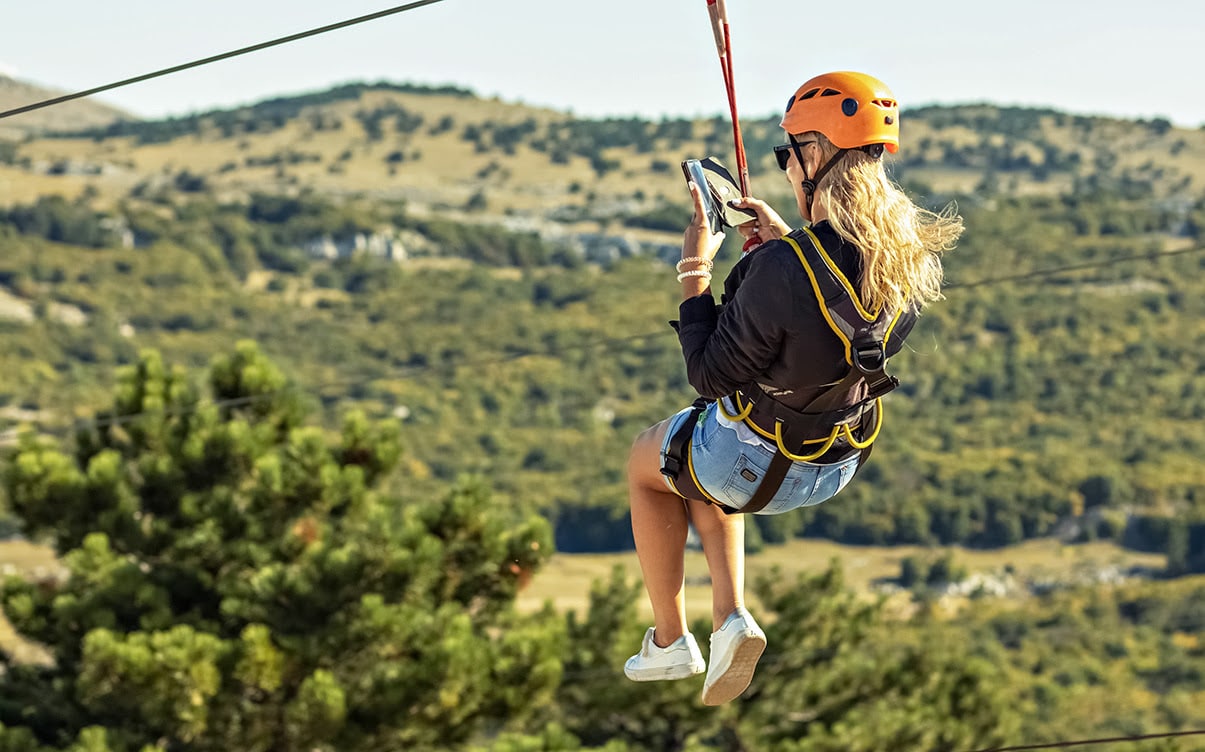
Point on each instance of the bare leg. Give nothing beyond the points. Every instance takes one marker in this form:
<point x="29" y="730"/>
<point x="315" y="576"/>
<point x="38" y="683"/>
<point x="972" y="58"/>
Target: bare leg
<point x="723" y="538"/>
<point x="659" y="527"/>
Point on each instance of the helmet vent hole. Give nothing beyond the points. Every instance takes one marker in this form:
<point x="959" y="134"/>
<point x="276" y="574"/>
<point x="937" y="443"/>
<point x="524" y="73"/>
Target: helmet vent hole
<point x="830" y="93"/>
<point x="886" y="103"/>
<point x="810" y="94"/>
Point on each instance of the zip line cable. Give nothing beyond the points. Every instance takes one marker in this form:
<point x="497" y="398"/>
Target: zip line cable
<point x="400" y="372"/>
<point x="778" y="659"/>
<point x="718" y="12"/>
<point x="610" y="343"/>
<point x="719" y="19"/>
<point x="1086" y="742"/>
<point x="769" y="660"/>
<point x="1043" y="273"/>
<point x="218" y="57"/>
<point x="603" y="345"/>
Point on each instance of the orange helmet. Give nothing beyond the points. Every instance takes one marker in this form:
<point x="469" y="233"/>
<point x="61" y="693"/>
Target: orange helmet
<point x="850" y="109"/>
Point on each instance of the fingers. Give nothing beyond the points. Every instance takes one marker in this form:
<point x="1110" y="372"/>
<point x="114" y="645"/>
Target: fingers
<point x="700" y="217"/>
<point x="768" y="225"/>
<point x="761" y="208"/>
<point x="699" y="241"/>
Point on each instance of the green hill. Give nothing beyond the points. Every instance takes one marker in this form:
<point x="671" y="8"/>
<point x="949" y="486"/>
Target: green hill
<point x="439" y="147"/>
<point x="490" y="276"/>
<point x="487" y="272"/>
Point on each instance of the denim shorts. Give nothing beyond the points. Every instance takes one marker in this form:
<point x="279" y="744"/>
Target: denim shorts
<point x="723" y="466"/>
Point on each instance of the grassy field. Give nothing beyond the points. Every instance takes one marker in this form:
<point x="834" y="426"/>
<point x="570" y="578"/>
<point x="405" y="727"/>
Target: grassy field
<point x="567" y="579"/>
<point x="33" y="562"/>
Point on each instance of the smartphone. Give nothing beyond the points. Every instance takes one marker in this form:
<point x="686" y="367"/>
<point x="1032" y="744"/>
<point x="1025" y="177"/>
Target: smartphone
<point x="718" y="188"/>
<point x="693" y="170"/>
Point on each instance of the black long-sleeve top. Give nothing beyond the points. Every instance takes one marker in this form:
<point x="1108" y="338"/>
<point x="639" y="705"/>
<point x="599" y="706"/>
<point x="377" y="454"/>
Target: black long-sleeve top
<point x="768" y="328"/>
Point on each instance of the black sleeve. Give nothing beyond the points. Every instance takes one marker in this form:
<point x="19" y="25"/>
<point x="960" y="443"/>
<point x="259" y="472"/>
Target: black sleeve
<point x="726" y="348"/>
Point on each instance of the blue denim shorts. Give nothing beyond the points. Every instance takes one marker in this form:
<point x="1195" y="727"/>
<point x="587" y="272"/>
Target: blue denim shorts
<point x="723" y="465"/>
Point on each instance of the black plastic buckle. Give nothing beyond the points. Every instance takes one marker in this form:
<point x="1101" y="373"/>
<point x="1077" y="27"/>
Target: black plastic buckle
<point x="882" y="386"/>
<point x="672" y="467"/>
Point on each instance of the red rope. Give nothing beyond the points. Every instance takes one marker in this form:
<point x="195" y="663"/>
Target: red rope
<point x="719" y="28"/>
<point x="742" y="165"/>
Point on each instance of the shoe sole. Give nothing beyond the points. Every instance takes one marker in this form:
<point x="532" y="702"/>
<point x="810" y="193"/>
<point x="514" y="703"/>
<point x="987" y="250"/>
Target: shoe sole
<point x="735" y="680"/>
<point x="669" y="673"/>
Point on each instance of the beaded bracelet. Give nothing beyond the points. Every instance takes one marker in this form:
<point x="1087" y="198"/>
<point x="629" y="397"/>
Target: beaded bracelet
<point x="706" y="275"/>
<point x="703" y="263"/>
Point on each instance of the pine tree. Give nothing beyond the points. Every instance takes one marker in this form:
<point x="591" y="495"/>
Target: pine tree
<point x="846" y="677"/>
<point x="234" y="582"/>
<point x="600" y="706"/>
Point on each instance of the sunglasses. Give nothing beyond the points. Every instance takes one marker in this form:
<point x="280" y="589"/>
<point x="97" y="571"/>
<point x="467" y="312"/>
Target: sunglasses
<point x="783" y="152"/>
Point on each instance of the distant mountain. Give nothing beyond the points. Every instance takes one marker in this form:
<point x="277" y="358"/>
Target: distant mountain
<point x="448" y="152"/>
<point x="69" y="116"/>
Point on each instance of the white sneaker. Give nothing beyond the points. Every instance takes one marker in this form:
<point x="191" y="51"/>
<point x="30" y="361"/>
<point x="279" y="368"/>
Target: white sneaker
<point x="735" y="650"/>
<point x="680" y="660"/>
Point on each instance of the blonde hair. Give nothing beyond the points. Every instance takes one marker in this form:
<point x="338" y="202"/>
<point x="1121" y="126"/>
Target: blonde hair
<point x="901" y="243"/>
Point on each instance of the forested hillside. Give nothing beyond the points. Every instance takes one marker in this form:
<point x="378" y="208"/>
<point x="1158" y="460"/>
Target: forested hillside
<point x="489" y="273"/>
<point x="452" y="315"/>
<point x="235" y="579"/>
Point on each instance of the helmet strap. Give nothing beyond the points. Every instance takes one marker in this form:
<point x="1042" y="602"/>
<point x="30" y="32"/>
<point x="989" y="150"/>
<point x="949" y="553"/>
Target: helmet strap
<point x="810" y="183"/>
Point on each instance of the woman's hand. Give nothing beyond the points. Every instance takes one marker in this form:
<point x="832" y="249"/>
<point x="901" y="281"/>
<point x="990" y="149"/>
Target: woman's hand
<point x="700" y="241"/>
<point x="768" y="225"/>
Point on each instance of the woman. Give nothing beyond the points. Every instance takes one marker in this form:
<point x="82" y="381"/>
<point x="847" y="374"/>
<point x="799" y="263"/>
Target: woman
<point x="791" y="366"/>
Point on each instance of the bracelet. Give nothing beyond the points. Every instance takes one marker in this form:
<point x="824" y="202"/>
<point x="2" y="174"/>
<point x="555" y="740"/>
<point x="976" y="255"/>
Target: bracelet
<point x="702" y="262"/>
<point x="706" y="275"/>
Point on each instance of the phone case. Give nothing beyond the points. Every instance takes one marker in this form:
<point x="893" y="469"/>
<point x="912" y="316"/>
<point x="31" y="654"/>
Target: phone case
<point x="721" y="188"/>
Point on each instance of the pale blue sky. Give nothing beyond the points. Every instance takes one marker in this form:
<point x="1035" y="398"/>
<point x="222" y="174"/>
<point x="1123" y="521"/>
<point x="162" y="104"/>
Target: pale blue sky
<point x="646" y="57"/>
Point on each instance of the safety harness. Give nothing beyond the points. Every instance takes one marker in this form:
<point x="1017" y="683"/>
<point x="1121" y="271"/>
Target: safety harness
<point x="842" y="421"/>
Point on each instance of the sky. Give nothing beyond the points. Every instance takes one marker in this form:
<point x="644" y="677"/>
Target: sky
<point x="650" y="58"/>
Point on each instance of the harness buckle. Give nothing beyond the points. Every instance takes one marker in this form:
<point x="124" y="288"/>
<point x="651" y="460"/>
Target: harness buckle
<point x="882" y="386"/>
<point x="869" y="357"/>
<point x="679" y="444"/>
<point x="672" y="467"/>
